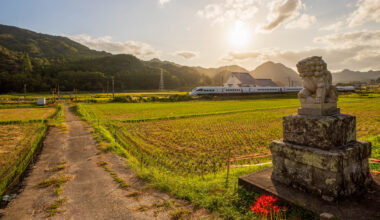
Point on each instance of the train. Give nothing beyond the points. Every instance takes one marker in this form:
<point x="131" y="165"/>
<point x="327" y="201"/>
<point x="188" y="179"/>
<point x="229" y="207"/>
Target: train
<point x="220" y="90"/>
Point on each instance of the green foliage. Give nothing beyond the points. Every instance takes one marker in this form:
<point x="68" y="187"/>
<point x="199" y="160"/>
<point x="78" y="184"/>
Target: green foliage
<point x="44" y="61"/>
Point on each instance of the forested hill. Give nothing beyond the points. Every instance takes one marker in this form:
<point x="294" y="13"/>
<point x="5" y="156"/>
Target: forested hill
<point x="43" y="61"/>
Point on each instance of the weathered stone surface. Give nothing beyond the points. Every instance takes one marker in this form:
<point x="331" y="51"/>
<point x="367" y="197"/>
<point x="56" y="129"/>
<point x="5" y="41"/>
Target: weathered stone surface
<point x="316" y="82"/>
<point x="329" y="173"/>
<point x="323" y="132"/>
<point x="324" y="109"/>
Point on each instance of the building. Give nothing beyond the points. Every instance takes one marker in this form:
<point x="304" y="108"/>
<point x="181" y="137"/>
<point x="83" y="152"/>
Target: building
<point x="246" y="80"/>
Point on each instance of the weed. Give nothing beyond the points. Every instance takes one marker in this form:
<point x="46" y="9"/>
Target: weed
<point x="142" y="208"/>
<point x="179" y="213"/>
<point x="116" y="177"/>
<point x="61" y="166"/>
<point x="135" y="194"/>
<point x="56" y="181"/>
<point x="164" y="204"/>
<point x="53" y="209"/>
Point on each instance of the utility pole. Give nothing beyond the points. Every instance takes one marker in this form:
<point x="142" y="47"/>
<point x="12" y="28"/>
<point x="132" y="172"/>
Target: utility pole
<point x="289" y="81"/>
<point x="161" y="86"/>
<point x="24" y="91"/>
<point x="107" y="86"/>
<point x="113" y="87"/>
<point x="58" y="95"/>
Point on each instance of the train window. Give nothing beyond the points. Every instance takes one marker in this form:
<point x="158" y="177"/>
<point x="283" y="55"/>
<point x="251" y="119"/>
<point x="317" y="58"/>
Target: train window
<point x="199" y="90"/>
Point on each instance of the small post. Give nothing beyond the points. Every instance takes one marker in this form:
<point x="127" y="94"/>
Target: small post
<point x="113" y="87"/>
<point x="228" y="166"/>
<point x="24" y="92"/>
<point x="115" y="136"/>
<point x="141" y="161"/>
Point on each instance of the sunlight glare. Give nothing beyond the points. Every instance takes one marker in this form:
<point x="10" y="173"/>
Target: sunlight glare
<point x="239" y="35"/>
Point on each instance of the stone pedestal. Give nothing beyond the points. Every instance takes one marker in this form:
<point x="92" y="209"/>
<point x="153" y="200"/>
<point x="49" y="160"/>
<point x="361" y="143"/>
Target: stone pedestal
<point x="320" y="155"/>
<point x="318" y="109"/>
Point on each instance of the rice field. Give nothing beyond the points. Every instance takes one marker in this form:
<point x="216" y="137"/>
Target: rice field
<point x="22" y="128"/>
<point x="25" y="114"/>
<point x="18" y="142"/>
<point x="186" y="148"/>
<point x="194" y="137"/>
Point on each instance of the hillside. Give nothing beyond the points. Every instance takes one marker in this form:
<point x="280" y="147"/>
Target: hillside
<point x="43" y="61"/>
<point x="50" y="49"/>
<point x="278" y="72"/>
<point x="221" y="74"/>
<point x="351" y="76"/>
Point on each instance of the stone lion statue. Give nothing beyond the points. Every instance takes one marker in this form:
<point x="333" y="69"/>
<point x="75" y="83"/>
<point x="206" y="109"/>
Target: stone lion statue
<point x="316" y="82"/>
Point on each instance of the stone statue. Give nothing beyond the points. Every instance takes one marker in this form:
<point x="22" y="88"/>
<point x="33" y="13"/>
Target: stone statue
<point x="316" y="81"/>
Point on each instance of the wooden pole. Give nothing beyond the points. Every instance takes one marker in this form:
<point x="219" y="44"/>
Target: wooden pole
<point x="228" y="167"/>
<point x="113" y="87"/>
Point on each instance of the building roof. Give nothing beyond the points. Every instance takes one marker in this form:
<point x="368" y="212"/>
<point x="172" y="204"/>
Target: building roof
<point x="244" y="78"/>
<point x="265" y="83"/>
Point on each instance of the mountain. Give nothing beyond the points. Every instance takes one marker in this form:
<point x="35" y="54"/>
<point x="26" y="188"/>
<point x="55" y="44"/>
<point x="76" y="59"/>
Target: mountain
<point x="351" y="76"/>
<point x="43" y="61"/>
<point x="279" y="73"/>
<point x="45" y="49"/>
<point x="221" y="74"/>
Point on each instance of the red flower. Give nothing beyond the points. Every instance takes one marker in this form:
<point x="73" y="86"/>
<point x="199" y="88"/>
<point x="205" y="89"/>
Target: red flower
<point x="265" y="205"/>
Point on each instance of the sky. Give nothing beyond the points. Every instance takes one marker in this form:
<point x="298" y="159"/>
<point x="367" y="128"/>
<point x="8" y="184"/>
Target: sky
<point x="212" y="33"/>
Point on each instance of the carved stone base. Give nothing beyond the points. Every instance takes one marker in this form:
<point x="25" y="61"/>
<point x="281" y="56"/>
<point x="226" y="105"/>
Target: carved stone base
<point x="323" y="132"/>
<point x="328" y="173"/>
<point x="319" y="109"/>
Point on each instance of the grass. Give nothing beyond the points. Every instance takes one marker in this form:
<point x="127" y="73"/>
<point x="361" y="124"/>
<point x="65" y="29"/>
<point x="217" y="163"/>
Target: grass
<point x="179" y="213"/>
<point x="56" y="182"/>
<point x="116" y="178"/>
<point x="61" y="166"/>
<point x="187" y="155"/>
<point x="53" y="209"/>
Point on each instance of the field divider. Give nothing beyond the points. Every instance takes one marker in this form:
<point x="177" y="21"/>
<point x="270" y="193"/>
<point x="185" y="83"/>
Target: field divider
<point x="250" y="165"/>
<point x="202" y="115"/>
<point x="23" y="121"/>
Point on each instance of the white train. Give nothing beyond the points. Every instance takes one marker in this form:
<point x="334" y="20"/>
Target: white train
<point x="220" y="90"/>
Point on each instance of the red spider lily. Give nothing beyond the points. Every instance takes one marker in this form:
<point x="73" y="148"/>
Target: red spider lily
<point x="264" y="206"/>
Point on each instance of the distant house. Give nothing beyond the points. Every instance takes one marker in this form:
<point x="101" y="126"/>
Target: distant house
<point x="245" y="79"/>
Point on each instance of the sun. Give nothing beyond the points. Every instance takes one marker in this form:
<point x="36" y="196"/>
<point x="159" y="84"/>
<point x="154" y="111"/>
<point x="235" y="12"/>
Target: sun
<point x="239" y="34"/>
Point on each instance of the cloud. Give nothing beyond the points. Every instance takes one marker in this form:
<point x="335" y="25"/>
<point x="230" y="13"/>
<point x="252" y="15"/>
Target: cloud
<point x="368" y="10"/>
<point x="354" y="38"/>
<point x="240" y="56"/>
<point x="186" y="54"/>
<point x="280" y="12"/>
<point x="105" y="43"/>
<point x="333" y="27"/>
<point x="229" y="11"/>
<point x="302" y="22"/>
<point x="162" y="2"/>
<point x="358" y="50"/>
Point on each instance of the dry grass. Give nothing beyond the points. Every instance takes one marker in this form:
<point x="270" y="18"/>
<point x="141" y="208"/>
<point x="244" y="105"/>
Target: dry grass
<point x="114" y="175"/>
<point x="14" y="140"/>
<point x="23" y="114"/>
<point x="56" y="181"/>
<point x="53" y="209"/>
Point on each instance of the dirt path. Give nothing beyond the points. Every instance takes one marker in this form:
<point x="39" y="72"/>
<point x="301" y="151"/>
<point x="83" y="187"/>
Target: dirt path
<point x="90" y="191"/>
